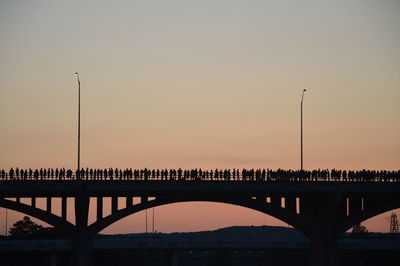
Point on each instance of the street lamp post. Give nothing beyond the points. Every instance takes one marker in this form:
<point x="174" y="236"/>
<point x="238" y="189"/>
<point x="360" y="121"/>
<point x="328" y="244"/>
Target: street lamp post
<point x="79" y="125"/>
<point x="301" y="129"/>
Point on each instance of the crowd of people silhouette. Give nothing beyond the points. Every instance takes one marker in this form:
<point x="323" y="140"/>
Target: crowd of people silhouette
<point x="202" y="175"/>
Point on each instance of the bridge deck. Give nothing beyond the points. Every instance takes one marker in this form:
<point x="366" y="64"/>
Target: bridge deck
<point x="54" y="188"/>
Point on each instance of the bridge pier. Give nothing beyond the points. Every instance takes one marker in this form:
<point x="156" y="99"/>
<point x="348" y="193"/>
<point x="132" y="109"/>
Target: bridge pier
<point x="323" y="242"/>
<point x="323" y="250"/>
<point x="81" y="254"/>
<point x="81" y="249"/>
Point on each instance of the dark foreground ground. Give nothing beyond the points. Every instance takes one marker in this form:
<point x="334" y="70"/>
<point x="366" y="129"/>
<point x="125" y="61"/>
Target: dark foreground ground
<point x="248" y="246"/>
<point x="199" y="258"/>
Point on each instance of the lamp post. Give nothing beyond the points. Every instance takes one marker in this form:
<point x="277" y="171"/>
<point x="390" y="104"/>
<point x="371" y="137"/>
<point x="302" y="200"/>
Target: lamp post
<point x="79" y="125"/>
<point x="301" y="129"/>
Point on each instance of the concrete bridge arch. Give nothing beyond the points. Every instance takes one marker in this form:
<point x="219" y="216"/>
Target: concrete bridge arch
<point x="306" y="227"/>
<point x="45" y="216"/>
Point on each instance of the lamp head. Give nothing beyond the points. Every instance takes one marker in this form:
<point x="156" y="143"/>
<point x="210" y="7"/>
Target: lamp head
<point x="76" y="73"/>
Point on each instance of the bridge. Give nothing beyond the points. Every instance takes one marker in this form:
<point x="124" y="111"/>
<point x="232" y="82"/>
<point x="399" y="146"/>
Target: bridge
<point x="321" y="209"/>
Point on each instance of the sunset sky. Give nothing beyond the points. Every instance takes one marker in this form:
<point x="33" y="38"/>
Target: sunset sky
<point x="200" y="84"/>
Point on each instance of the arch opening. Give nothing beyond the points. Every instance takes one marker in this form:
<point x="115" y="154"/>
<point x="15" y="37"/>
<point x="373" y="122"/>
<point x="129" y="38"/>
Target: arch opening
<point x="379" y="223"/>
<point x="19" y="209"/>
<point x="190" y="215"/>
<point x="368" y="214"/>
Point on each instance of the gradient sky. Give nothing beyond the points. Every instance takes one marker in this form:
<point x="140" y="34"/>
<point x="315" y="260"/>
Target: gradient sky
<point x="200" y="84"/>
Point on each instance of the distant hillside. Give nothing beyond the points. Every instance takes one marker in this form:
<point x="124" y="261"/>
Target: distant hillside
<point x="234" y="233"/>
<point x="242" y="233"/>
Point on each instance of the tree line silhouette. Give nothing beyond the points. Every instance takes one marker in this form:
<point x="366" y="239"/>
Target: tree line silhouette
<point x="199" y="174"/>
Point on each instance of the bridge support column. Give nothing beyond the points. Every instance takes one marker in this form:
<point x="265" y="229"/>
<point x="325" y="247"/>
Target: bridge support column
<point x="129" y="201"/>
<point x="64" y="208"/>
<point x="323" y="242"/>
<point x="81" y="249"/>
<point x="48" y="204"/>
<point x="114" y="204"/>
<point x="81" y="244"/>
<point x="324" y="250"/>
<point x="99" y="207"/>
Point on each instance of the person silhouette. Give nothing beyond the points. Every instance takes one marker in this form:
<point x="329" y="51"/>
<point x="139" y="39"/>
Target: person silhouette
<point x="179" y="173"/>
<point x="36" y="174"/>
<point x="11" y="174"/>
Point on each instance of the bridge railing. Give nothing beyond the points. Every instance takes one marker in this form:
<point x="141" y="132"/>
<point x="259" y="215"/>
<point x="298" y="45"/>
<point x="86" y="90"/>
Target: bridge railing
<point x="259" y="175"/>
